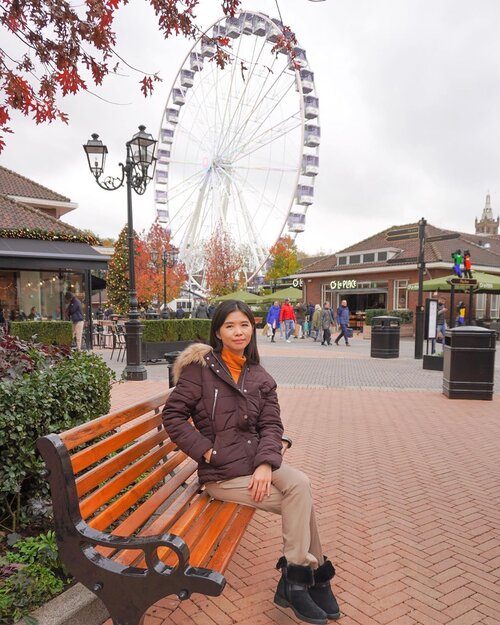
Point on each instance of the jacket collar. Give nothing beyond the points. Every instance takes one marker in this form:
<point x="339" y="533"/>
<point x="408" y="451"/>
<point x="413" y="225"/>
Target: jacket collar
<point x="219" y="368"/>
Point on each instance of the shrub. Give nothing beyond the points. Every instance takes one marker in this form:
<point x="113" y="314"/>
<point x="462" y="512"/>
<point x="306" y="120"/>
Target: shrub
<point x="158" y="330"/>
<point x="25" y="590"/>
<point x="46" y="332"/>
<point x="404" y="314"/>
<point x="18" y="357"/>
<point x="374" y="312"/>
<point x="76" y="389"/>
<point x="166" y="330"/>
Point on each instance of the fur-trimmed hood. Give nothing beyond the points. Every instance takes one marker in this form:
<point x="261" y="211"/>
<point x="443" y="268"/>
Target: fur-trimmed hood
<point x="193" y="354"/>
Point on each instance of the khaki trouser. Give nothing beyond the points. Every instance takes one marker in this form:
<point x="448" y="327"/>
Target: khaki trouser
<point x="77" y="333"/>
<point x="292" y="498"/>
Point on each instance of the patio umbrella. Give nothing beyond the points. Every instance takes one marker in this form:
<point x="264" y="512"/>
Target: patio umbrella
<point x="242" y="296"/>
<point x="291" y="293"/>
<point x="486" y="283"/>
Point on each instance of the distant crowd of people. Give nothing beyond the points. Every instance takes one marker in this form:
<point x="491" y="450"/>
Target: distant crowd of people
<point x="308" y="320"/>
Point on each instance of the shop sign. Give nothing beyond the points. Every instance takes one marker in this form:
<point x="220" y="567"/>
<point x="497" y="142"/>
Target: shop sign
<point x="297" y="283"/>
<point x="343" y="284"/>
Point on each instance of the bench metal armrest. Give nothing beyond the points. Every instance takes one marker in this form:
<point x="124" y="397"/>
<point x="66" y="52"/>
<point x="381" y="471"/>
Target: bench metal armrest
<point x="148" y="544"/>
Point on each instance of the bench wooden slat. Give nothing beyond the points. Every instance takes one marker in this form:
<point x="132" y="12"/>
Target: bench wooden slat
<point x="111" y="467"/>
<point x="87" y="457"/>
<point x="225" y="550"/>
<point x="87" y="431"/>
<point x="212" y="535"/>
<point x="115" y="510"/>
<point x="139" y="517"/>
<point x="189" y="519"/>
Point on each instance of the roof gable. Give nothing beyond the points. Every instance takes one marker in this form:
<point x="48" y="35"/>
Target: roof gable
<point x="13" y="184"/>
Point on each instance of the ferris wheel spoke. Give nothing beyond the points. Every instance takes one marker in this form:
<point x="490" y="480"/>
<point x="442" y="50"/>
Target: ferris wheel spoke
<point x="262" y="198"/>
<point x="239" y="104"/>
<point x="255" y="243"/>
<point x="266" y="138"/>
<point x="263" y="99"/>
<point x="229" y="95"/>
<point x="283" y="168"/>
<point x="185" y="183"/>
<point x="193" y="185"/>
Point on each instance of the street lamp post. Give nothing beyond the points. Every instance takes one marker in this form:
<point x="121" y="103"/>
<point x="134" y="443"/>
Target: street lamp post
<point x="136" y="175"/>
<point x="169" y="259"/>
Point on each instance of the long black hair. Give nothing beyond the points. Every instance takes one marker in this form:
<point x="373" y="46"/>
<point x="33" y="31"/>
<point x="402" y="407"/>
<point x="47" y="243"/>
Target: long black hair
<point x="220" y="315"/>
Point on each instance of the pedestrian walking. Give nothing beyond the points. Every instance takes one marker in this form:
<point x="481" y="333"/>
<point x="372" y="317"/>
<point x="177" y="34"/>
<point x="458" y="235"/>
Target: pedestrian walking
<point x="288" y="316"/>
<point x="180" y="313"/>
<point x="316" y="322"/>
<point x="273" y="318"/>
<point x="238" y="444"/>
<point x="201" y="311"/>
<point x="74" y="313"/>
<point x="326" y="321"/>
<point x="310" y="311"/>
<point x="343" y="322"/>
<point x="300" y="315"/>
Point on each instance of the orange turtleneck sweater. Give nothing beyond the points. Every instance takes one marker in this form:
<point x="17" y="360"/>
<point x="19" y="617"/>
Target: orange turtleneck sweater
<point x="234" y="363"/>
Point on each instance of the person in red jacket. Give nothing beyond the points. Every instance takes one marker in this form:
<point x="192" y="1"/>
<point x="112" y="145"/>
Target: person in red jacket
<point x="288" y="316"/>
<point x="238" y="444"/>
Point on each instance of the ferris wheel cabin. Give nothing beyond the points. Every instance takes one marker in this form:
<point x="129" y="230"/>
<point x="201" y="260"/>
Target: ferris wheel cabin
<point x="307" y="80"/>
<point x="163" y="155"/>
<point x="161" y="176"/>
<point x="178" y="97"/>
<point x="273" y="34"/>
<point x="233" y="27"/>
<point x="259" y="26"/>
<point x="196" y="62"/>
<point x="187" y="78"/>
<point x="305" y="194"/>
<point x="172" y="115"/>
<point x="167" y="135"/>
<point x="312" y="135"/>
<point x="310" y="165"/>
<point x="247" y="24"/>
<point x="218" y="31"/>
<point x="311" y="107"/>
<point x="208" y="48"/>
<point x="296" y="222"/>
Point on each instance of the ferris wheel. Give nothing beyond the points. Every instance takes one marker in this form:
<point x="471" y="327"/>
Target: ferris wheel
<point x="238" y="147"/>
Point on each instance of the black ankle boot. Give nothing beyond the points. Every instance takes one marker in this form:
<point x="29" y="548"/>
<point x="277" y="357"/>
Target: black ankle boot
<point x="292" y="592"/>
<point x="321" y="593"/>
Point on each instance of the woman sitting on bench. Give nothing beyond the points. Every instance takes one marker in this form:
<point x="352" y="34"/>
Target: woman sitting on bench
<point x="239" y="445"/>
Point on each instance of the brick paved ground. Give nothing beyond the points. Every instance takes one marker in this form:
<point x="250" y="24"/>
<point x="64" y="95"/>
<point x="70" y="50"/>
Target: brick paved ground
<point x="407" y="490"/>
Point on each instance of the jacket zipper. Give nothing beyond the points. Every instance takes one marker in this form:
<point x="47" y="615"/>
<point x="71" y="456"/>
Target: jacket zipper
<point x="215" y="403"/>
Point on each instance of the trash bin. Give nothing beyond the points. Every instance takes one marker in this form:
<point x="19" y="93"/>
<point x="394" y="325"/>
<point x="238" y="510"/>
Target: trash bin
<point x="469" y="363"/>
<point x="152" y="314"/>
<point x="171" y="357"/>
<point x="385" y="337"/>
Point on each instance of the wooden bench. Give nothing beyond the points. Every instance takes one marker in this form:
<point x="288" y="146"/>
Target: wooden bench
<point x="132" y="522"/>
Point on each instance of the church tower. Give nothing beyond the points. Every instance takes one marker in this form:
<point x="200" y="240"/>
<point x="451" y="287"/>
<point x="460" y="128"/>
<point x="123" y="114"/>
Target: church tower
<point x="487" y="225"/>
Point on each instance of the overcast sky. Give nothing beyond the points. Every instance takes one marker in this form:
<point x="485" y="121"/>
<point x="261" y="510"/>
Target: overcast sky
<point x="410" y="116"/>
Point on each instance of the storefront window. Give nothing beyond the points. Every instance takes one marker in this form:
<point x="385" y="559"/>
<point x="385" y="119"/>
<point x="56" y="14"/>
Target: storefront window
<point x="400" y="294"/>
<point x="480" y="305"/>
<point x="42" y="291"/>
<point x="495" y="305"/>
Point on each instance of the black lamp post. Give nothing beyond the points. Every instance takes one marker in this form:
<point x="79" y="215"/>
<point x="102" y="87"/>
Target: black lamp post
<point x="136" y="175"/>
<point x="169" y="259"/>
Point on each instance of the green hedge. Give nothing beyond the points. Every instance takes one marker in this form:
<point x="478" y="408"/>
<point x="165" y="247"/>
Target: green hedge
<point x="166" y="330"/>
<point x="54" y="399"/>
<point x="46" y="332"/>
<point x="405" y="315"/>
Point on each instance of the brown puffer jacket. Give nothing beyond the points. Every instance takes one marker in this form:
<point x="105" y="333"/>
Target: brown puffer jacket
<point x="241" y="422"/>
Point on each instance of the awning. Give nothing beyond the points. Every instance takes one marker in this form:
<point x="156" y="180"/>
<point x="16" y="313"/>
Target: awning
<point x="486" y="283"/>
<point x="49" y="255"/>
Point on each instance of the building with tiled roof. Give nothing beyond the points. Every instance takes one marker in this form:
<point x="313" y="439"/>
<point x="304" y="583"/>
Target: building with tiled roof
<point x="22" y="189"/>
<point x="41" y="257"/>
<point x="375" y="272"/>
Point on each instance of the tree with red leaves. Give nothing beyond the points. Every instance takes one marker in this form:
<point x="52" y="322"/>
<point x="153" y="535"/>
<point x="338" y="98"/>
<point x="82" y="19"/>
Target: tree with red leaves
<point x="69" y="45"/>
<point x="150" y="274"/>
<point x="284" y="259"/>
<point x="224" y="263"/>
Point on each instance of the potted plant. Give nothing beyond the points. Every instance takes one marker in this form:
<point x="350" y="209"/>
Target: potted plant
<point x="171" y="335"/>
<point x="433" y="362"/>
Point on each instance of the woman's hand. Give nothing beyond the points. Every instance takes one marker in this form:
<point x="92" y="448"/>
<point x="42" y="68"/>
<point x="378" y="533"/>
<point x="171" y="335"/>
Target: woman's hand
<point x="260" y="482"/>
